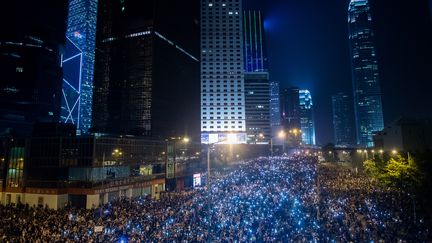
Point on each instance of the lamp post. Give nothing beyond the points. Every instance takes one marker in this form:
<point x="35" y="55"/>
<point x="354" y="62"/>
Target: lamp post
<point x="282" y="135"/>
<point x="170" y="155"/>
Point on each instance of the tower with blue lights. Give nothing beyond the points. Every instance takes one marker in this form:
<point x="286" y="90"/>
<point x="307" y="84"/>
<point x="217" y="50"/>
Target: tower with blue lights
<point x="366" y="85"/>
<point x="307" y="123"/>
<point x="78" y="64"/>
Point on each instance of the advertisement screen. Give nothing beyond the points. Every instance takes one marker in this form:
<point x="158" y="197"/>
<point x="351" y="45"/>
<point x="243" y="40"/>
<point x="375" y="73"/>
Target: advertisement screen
<point x="223" y="138"/>
<point x="196" y="180"/>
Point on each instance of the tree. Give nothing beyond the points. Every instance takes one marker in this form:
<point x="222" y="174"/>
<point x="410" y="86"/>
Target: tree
<point x="402" y="173"/>
<point x="395" y="172"/>
<point x="371" y="167"/>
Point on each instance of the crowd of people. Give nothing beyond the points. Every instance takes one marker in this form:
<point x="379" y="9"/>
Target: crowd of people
<point x="356" y="208"/>
<point x="276" y="199"/>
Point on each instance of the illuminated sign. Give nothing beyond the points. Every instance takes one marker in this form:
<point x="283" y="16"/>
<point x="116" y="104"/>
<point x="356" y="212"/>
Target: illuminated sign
<point x="223" y="138"/>
<point x="196" y="180"/>
<point x="170" y="160"/>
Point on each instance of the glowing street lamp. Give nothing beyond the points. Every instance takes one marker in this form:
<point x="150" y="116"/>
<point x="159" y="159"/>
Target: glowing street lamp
<point x="394" y="152"/>
<point x="117" y="152"/>
<point x="282" y="135"/>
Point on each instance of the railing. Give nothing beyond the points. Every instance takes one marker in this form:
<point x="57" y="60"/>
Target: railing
<point x="92" y="184"/>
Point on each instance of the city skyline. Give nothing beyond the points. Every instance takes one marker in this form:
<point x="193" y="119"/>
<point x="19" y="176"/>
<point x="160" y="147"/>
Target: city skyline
<point x="308" y="47"/>
<point x="215" y="121"/>
<point x="331" y="50"/>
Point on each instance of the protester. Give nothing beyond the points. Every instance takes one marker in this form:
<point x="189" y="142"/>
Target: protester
<point x="275" y="199"/>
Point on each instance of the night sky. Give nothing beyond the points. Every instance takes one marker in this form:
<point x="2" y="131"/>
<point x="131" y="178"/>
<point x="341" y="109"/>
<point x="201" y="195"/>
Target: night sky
<point x="307" y="42"/>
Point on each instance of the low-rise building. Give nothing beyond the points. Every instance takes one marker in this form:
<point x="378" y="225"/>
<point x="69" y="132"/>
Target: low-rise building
<point x="405" y="134"/>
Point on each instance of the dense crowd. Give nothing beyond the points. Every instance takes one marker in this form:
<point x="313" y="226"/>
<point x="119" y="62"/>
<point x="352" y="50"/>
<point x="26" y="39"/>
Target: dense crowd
<point x="263" y="200"/>
<point x="356" y="208"/>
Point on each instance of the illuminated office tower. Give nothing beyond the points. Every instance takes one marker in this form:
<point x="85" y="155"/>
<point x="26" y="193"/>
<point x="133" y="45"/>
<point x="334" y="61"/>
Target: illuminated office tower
<point x="307" y="123"/>
<point x="222" y="72"/>
<point x="256" y="81"/>
<point x="78" y="64"/>
<point x="275" y="115"/>
<point x="366" y="85"/>
<point x="257" y="106"/>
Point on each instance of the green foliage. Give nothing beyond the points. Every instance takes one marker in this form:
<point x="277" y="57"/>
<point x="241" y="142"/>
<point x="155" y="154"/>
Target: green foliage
<point x="396" y="172"/>
<point x="371" y="167"/>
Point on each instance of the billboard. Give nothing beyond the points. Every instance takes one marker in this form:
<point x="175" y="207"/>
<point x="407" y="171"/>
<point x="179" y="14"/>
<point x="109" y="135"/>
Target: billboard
<point x="223" y="138"/>
<point x="196" y="180"/>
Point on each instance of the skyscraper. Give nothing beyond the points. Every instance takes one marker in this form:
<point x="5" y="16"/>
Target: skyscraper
<point x="222" y="72"/>
<point x="31" y="76"/>
<point x="257" y="87"/>
<point x="275" y="115"/>
<point x="366" y="85"/>
<point x="257" y="106"/>
<point x="290" y="108"/>
<point x="307" y="123"/>
<point x="145" y="76"/>
<point x="343" y="120"/>
<point x="78" y="64"/>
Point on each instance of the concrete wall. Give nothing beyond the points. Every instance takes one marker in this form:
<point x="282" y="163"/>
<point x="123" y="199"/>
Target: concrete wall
<point x="92" y="201"/>
<point x="52" y="201"/>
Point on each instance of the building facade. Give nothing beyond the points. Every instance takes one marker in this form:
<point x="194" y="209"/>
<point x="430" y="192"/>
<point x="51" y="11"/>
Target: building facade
<point x="290" y="108"/>
<point x="257" y="100"/>
<point x="146" y="82"/>
<point x="406" y="135"/>
<point x="343" y="120"/>
<point x="54" y="167"/>
<point x="275" y="114"/>
<point x="30" y="80"/>
<point x="78" y="64"/>
<point x="307" y="123"/>
<point x="367" y="91"/>
<point x="222" y="72"/>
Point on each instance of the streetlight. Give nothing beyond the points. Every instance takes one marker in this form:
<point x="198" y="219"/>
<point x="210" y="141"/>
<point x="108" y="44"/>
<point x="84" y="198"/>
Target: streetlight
<point x="282" y="135"/>
<point x="394" y="152"/>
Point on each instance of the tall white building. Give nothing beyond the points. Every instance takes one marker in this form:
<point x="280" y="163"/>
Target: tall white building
<point x="222" y="72"/>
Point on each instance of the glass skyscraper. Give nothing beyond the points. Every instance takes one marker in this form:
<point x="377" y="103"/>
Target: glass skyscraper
<point x="146" y="83"/>
<point x="343" y="120"/>
<point x="78" y="64"/>
<point x="366" y="85"/>
<point x="307" y="124"/>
